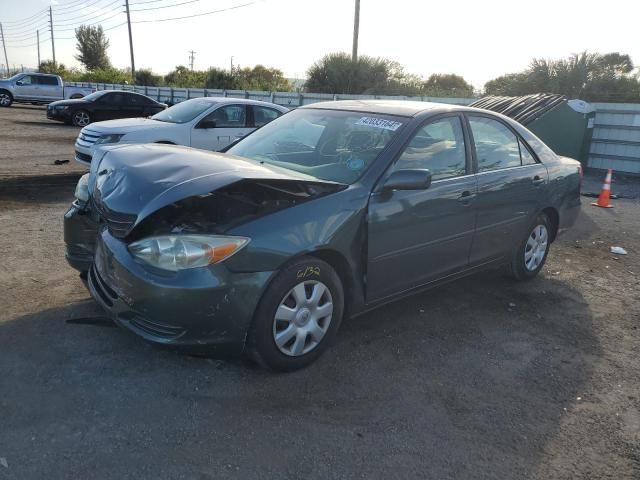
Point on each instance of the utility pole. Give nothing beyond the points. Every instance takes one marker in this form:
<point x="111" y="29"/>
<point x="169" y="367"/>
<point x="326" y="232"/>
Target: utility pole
<point x="4" y="45"/>
<point x="38" y="36"/>
<point x="133" y="63"/>
<point x="231" y="70"/>
<point x="191" y="58"/>
<point x="53" y="45"/>
<point x="356" y="28"/>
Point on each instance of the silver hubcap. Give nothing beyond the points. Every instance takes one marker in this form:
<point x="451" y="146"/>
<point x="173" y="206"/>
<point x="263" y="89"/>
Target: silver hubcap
<point x="4" y="99"/>
<point x="302" y="318"/>
<point x="81" y="119"/>
<point x="536" y="247"/>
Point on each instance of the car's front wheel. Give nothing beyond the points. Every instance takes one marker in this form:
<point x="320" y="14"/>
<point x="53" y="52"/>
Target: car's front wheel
<point x="532" y="252"/>
<point x="81" y="118"/>
<point x="298" y="316"/>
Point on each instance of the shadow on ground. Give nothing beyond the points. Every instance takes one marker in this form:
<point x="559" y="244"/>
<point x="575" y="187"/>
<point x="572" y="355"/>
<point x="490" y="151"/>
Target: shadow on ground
<point x="453" y="383"/>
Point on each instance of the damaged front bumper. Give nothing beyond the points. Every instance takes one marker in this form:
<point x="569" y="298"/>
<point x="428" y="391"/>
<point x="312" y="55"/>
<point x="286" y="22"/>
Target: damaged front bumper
<point x="206" y="310"/>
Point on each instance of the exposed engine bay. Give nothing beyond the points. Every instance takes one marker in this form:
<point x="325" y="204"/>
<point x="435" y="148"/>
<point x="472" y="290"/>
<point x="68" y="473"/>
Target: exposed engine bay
<point x="230" y="206"/>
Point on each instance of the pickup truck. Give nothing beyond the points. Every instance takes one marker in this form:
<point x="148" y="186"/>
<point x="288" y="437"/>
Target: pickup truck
<point x="37" y="88"/>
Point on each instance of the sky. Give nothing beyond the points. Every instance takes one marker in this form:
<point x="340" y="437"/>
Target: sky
<point x="478" y="39"/>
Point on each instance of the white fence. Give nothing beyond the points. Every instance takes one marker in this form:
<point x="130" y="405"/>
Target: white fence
<point x="616" y="135"/>
<point x="172" y="95"/>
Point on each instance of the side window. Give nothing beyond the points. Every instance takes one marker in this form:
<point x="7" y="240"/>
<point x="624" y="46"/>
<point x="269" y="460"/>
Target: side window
<point x="229" y="116"/>
<point x="263" y="115"/>
<point x="525" y="154"/>
<point x="46" y="80"/>
<point x="496" y="146"/>
<point x="438" y="146"/>
<point x="132" y="99"/>
<point x="27" y="80"/>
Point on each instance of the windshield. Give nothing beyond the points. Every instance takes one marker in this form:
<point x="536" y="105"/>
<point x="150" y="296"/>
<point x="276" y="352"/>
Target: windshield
<point x="92" y="97"/>
<point x="183" y="112"/>
<point x="332" y="145"/>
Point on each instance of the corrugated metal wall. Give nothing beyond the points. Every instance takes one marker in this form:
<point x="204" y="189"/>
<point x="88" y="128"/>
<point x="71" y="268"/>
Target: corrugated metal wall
<point x="616" y="135"/>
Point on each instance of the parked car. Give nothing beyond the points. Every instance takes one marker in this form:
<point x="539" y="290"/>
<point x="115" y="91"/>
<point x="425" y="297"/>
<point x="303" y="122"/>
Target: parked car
<point x="209" y="123"/>
<point x="324" y="213"/>
<point x="37" y="88"/>
<point x="103" y="105"/>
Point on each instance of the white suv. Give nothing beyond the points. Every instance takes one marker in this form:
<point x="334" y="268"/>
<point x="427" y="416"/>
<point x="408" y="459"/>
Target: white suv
<point x="209" y="123"/>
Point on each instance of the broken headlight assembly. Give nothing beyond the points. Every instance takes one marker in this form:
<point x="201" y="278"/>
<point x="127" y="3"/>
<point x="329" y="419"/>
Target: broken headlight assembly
<point x="113" y="138"/>
<point x="180" y="252"/>
<point x="82" y="188"/>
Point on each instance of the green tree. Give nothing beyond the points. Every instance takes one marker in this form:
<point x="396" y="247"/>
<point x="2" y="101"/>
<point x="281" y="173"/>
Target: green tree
<point x="262" y="78"/>
<point x="182" y="76"/>
<point x="447" y="85"/>
<point x="146" y="77"/>
<point x="221" y="79"/>
<point x="590" y="76"/>
<point x="92" y="45"/>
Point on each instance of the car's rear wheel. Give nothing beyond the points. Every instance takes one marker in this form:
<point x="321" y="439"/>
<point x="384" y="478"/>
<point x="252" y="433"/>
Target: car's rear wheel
<point x="6" y="99"/>
<point x="298" y="316"/>
<point x="81" y="118"/>
<point x="532" y="252"/>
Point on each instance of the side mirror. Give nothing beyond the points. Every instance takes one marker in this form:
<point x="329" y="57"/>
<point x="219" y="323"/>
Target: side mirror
<point x="19" y="83"/>
<point x="409" y="179"/>
<point x="207" y="124"/>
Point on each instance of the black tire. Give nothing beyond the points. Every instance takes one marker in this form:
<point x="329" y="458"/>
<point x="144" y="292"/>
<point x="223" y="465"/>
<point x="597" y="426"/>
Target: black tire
<point x="75" y="118"/>
<point x="261" y="345"/>
<point x="518" y="268"/>
<point x="6" y="99"/>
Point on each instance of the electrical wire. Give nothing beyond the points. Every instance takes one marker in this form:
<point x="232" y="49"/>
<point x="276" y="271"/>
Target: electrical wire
<point x="10" y="23"/>
<point x="114" y="13"/>
<point x="164" y="6"/>
<point x="93" y="12"/>
<point x="87" y="16"/>
<point x="195" y="15"/>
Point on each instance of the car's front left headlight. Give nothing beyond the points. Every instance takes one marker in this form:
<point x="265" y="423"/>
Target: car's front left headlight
<point x="82" y="188"/>
<point x="113" y="138"/>
<point x="180" y="252"/>
<point x="62" y="107"/>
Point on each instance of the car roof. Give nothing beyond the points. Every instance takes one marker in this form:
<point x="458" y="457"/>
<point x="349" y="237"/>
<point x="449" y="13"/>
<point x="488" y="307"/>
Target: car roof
<point x="248" y="101"/>
<point x="405" y="108"/>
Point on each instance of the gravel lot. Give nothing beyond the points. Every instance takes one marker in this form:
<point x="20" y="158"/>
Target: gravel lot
<point x="482" y="378"/>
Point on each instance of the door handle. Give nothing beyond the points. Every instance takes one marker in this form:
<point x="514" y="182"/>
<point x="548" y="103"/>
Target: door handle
<point x="466" y="197"/>
<point x="537" y="180"/>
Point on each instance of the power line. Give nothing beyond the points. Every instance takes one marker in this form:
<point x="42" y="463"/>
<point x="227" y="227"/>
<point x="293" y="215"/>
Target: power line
<point x="165" y="6"/>
<point x="99" y="22"/>
<point x="96" y="12"/>
<point x="27" y="19"/>
<point x="195" y="15"/>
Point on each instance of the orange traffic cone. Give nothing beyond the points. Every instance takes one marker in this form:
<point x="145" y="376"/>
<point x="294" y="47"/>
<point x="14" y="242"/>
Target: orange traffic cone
<point x="603" y="199"/>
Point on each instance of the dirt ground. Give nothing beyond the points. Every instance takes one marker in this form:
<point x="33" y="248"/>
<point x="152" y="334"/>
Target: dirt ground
<point x="30" y="144"/>
<point x="481" y="378"/>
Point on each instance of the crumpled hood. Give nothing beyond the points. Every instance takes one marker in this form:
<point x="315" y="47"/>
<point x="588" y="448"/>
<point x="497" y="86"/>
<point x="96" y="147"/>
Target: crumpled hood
<point x="127" y="125"/>
<point x="140" y="179"/>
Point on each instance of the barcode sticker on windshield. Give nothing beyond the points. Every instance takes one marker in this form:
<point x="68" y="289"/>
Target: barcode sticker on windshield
<point x="379" y="123"/>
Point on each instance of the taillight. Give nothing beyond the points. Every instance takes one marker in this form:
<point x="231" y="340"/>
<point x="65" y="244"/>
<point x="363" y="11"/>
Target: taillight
<point x="581" y="175"/>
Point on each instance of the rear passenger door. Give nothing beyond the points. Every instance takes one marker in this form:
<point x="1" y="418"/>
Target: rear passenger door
<point x="263" y="115"/>
<point x="48" y="88"/>
<point x="511" y="182"/>
<point x="109" y="107"/>
<point x="417" y="236"/>
<point x="133" y="105"/>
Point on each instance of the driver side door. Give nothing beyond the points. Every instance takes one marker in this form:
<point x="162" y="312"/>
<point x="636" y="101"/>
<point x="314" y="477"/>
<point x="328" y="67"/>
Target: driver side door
<point x="220" y="128"/>
<point x="418" y="236"/>
<point x="26" y="88"/>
